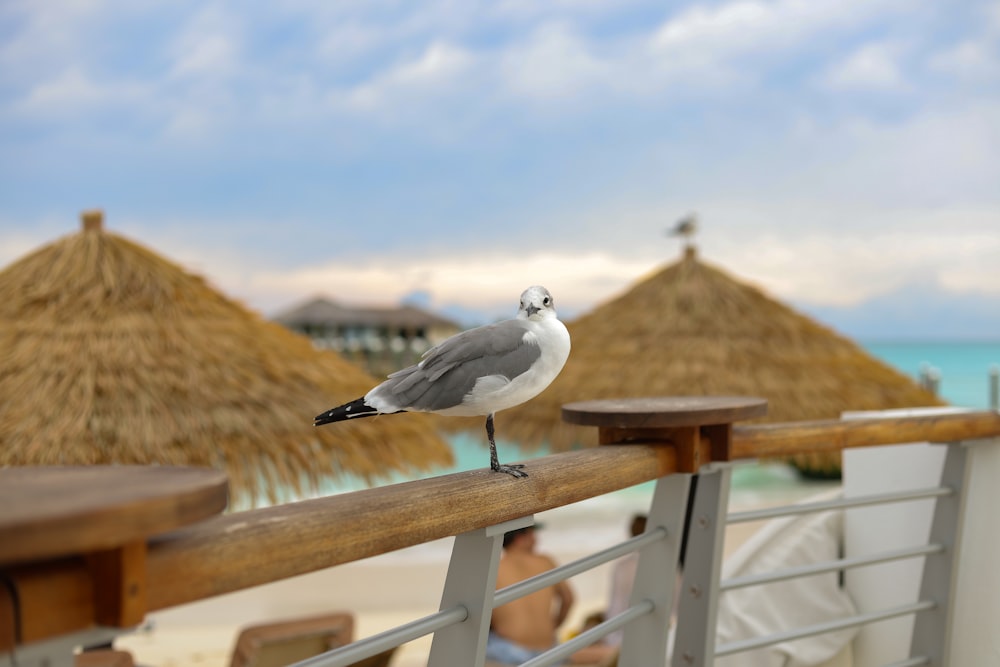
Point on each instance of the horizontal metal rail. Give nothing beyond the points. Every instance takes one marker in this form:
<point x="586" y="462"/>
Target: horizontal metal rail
<point x="370" y="646"/>
<point x="911" y="662"/>
<point x="822" y="628"/>
<point x="829" y="566"/>
<point x="839" y="503"/>
<point x="556" y="655"/>
<point x="573" y="568"/>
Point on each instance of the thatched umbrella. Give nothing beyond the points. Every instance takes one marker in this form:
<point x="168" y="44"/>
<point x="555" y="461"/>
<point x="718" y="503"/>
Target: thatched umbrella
<point x="690" y="329"/>
<point x="111" y="354"/>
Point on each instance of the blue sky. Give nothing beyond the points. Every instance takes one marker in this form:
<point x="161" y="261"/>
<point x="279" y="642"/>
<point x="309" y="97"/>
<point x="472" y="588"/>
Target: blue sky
<point x="842" y="154"/>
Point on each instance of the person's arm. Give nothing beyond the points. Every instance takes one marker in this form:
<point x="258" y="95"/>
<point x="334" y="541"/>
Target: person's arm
<point x="564" y="594"/>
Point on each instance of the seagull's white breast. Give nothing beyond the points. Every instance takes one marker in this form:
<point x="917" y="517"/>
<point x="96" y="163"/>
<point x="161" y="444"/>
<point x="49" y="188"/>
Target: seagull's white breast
<point x="496" y="392"/>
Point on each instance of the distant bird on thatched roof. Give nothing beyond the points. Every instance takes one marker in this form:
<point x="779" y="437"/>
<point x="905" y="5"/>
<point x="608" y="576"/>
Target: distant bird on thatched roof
<point x="686" y="228"/>
<point x="690" y="329"/>
<point x="112" y="354"/>
<point x="477" y="372"/>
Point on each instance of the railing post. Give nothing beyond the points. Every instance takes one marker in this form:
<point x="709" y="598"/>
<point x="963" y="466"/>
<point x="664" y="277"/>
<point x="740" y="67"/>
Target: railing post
<point x="932" y="628"/>
<point x="644" y="642"/>
<point x="694" y="643"/>
<point x="696" y="431"/>
<point x="471" y="583"/>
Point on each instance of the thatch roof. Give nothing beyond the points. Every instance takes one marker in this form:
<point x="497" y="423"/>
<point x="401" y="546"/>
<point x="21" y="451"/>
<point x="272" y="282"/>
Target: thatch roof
<point x="111" y="354"/>
<point x="690" y="329"/>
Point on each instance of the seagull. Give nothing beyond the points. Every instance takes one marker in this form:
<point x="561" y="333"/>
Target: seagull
<point x="686" y="226"/>
<point x="476" y="372"/>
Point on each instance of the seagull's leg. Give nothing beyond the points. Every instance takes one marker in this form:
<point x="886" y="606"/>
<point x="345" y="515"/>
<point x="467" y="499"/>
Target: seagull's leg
<point x="514" y="469"/>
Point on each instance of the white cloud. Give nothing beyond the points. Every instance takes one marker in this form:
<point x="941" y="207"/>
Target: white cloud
<point x="830" y="204"/>
<point x="341" y="43"/>
<point x="871" y="67"/>
<point x="487" y="283"/>
<point x="795" y="252"/>
<point x="435" y="70"/>
<point x="564" y="59"/>
<point x="208" y="46"/>
<point x="706" y="34"/>
<point x="49" y="33"/>
<point x="74" y="91"/>
<point x="555" y="62"/>
<point x="210" y="55"/>
<point x="953" y="249"/>
<point x="532" y="10"/>
<point x="971" y="60"/>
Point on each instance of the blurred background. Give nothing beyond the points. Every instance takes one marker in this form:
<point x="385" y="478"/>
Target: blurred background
<point x="378" y="175"/>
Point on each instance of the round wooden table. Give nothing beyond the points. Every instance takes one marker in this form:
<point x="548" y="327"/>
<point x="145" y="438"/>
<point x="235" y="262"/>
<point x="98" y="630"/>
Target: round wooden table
<point x="73" y="542"/>
<point x="52" y="511"/>
<point x="698" y="427"/>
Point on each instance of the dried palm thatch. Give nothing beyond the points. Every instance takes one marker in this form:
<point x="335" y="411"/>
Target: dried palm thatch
<point x="112" y="354"/>
<point x="690" y="329"/>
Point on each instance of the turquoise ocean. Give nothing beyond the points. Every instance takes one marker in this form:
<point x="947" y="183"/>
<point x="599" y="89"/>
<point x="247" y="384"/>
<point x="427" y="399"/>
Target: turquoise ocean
<point x="964" y="368"/>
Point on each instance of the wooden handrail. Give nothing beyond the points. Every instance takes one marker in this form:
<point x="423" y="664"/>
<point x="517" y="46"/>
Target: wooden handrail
<point x="224" y="554"/>
<point x="245" y="549"/>
<point x="828" y="435"/>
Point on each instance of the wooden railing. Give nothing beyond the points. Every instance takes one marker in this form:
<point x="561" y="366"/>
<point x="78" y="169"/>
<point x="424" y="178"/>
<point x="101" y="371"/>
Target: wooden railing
<point x="47" y="600"/>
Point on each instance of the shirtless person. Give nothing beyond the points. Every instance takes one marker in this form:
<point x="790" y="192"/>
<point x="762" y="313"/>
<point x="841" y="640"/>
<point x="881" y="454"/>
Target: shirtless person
<point x="526" y="627"/>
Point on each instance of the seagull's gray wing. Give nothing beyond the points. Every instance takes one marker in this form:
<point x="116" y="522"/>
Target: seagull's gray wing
<point x="450" y="370"/>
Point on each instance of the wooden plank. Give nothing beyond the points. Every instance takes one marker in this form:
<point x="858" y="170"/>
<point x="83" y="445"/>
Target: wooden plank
<point x="720" y="437"/>
<point x="55" y="598"/>
<point x="688" y="443"/>
<point x="8" y="616"/>
<point x="119" y="577"/>
<point x="52" y="511"/>
<point x="690" y="450"/>
<point x="237" y="551"/>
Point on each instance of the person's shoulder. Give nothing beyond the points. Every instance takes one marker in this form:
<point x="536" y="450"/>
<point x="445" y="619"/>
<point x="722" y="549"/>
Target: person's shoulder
<point x="545" y="559"/>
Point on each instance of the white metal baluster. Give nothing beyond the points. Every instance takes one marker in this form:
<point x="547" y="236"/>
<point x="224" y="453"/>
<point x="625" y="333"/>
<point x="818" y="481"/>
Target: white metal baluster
<point x="932" y="628"/>
<point x="644" y="642"/>
<point x="694" y="644"/>
<point x="471" y="583"/>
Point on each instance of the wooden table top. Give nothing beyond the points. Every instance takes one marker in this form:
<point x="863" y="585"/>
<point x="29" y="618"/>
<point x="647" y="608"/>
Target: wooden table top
<point x="664" y="411"/>
<point x="52" y="511"/>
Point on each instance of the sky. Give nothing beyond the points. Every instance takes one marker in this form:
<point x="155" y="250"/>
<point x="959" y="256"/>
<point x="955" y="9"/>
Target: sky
<point x="843" y="155"/>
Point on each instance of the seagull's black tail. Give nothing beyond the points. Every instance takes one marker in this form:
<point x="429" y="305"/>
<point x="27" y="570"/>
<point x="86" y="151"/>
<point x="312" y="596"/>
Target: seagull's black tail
<point x="353" y="410"/>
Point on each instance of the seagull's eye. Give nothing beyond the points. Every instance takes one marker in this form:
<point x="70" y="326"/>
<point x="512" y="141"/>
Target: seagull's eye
<point x="547" y="301"/>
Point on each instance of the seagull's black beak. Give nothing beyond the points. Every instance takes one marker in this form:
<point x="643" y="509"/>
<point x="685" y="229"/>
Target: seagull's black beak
<point x="532" y="309"/>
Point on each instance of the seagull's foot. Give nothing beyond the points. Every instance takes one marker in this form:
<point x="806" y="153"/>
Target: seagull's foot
<point x="514" y="469"/>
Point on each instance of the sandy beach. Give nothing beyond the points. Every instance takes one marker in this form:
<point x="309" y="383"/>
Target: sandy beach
<point x="399" y="587"/>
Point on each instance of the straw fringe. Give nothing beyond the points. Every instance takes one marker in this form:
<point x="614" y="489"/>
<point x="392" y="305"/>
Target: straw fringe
<point x="111" y="354"/>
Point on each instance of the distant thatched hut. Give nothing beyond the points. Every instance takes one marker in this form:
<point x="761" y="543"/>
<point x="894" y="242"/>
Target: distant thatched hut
<point x="111" y="354"/>
<point x="384" y="340"/>
<point x="690" y="329"/>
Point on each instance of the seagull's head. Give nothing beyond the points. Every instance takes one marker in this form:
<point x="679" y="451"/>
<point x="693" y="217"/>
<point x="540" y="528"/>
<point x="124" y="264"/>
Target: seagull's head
<point x="536" y="303"/>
